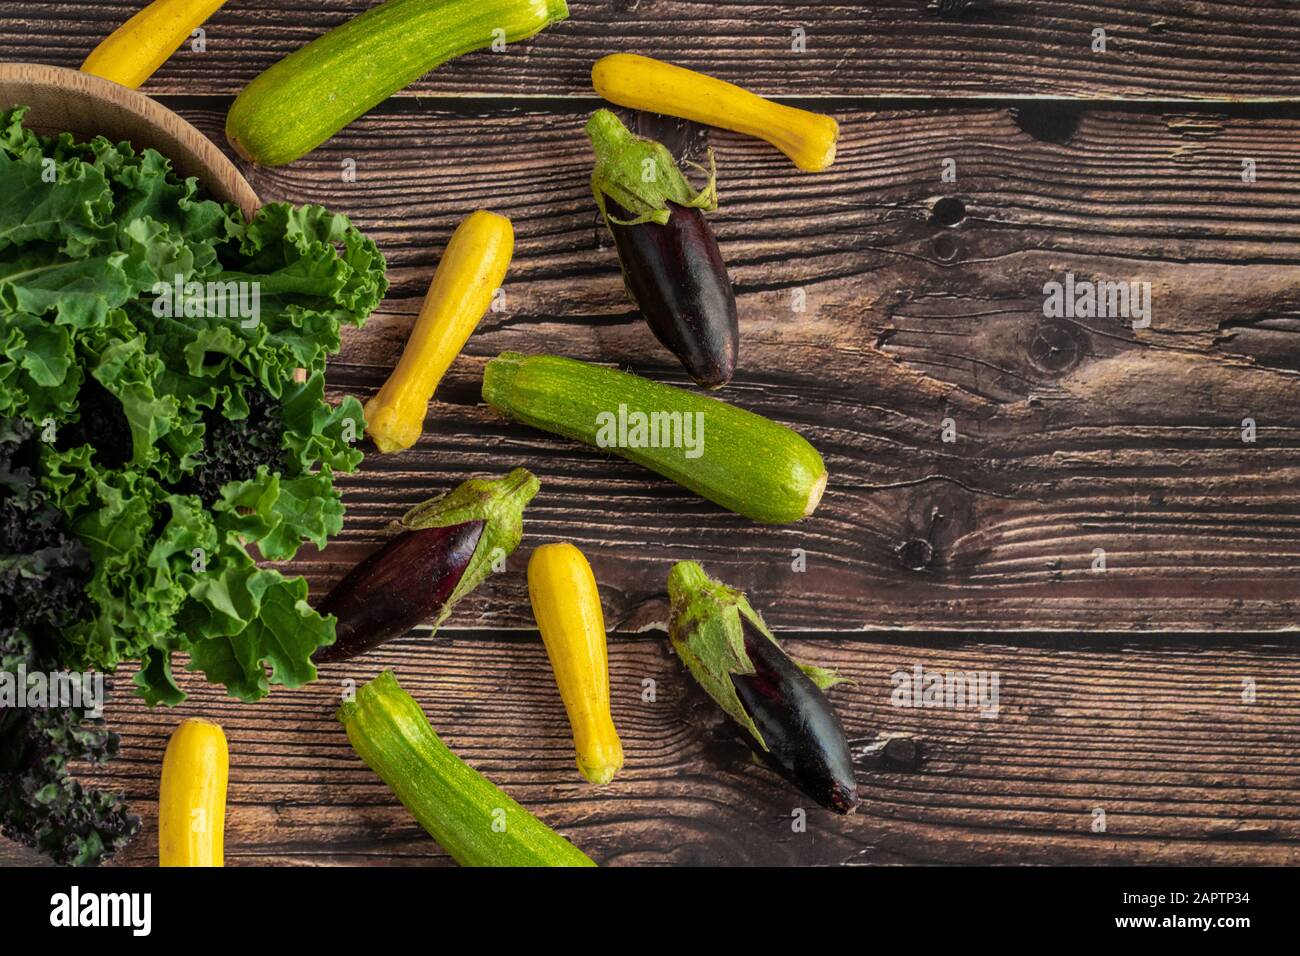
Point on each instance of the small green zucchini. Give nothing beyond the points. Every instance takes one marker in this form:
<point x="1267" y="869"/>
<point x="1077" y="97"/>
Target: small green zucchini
<point x="735" y="458"/>
<point x="314" y="92"/>
<point x="469" y="816"/>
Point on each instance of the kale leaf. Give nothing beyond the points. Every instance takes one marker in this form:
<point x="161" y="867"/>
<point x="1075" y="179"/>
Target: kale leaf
<point x="43" y="574"/>
<point x="184" y="439"/>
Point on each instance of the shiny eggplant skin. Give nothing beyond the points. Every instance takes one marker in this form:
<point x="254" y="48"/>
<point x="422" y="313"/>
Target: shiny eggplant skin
<point x="676" y="275"/>
<point x="400" y="586"/>
<point x="805" y="740"/>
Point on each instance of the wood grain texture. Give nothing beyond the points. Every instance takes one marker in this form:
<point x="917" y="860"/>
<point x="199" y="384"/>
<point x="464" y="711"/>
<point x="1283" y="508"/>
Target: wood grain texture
<point x="1072" y="435"/>
<point x="1154" y="48"/>
<point x="1158" y="737"/>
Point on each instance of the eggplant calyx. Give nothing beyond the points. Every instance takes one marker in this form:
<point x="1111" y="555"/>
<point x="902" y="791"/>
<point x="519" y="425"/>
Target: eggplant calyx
<point x="641" y="176"/>
<point x="824" y="677"/>
<point x="705" y="631"/>
<point x="498" y="504"/>
<point x="706" y="628"/>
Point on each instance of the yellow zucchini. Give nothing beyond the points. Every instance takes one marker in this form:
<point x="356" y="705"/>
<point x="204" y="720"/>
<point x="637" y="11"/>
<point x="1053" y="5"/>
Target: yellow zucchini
<point x="134" y="51"/>
<point x="642" y="83"/>
<point x="192" y="800"/>
<point x="471" y="271"/>
<point x="566" y="605"/>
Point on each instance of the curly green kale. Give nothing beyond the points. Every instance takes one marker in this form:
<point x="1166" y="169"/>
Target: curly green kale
<point x="43" y="572"/>
<point x="234" y="450"/>
<point x="183" y="439"/>
<point x="41" y="805"/>
<point x="43" y="575"/>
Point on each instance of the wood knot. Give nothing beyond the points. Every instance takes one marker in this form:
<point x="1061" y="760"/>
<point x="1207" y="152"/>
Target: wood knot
<point x="1055" y="347"/>
<point x="933" y="518"/>
<point x="948" y="211"/>
<point x="901" y="752"/>
<point x="915" y="554"/>
<point x="890" y="751"/>
<point x="946" y="248"/>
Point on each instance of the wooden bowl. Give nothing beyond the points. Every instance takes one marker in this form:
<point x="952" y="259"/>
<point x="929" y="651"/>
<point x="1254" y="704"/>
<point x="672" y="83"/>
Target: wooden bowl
<point x="88" y="106"/>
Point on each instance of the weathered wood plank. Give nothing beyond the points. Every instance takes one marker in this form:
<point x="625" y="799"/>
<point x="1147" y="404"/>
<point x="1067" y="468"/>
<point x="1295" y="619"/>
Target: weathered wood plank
<point x="1158" y="736"/>
<point x="1187" y="49"/>
<point x="1073" y="435"/>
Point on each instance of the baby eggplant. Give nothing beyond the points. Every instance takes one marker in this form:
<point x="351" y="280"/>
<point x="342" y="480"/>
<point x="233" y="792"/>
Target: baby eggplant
<point x="672" y="266"/>
<point x="780" y="703"/>
<point x="805" y="742"/>
<point x="675" y="273"/>
<point x="443" y="550"/>
<point x="399" y="587"/>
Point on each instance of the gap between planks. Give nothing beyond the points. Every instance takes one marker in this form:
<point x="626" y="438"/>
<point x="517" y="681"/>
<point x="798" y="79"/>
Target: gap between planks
<point x="402" y="102"/>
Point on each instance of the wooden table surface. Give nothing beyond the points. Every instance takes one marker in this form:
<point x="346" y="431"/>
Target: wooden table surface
<point x="1158" y="718"/>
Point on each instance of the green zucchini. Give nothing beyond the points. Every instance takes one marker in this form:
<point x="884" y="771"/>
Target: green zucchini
<point x="464" y="811"/>
<point x="737" y="459"/>
<point x="307" y="97"/>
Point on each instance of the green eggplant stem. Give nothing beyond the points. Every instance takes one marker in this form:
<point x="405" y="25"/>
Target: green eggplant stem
<point x="640" y="174"/>
<point x="498" y="504"/>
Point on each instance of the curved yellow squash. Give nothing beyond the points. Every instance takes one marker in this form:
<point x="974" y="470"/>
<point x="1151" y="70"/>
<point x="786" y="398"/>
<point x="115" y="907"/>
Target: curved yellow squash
<point x="566" y="605"/>
<point x="134" y="51"/>
<point x="639" y="82"/>
<point x="192" y="801"/>
<point x="469" y="275"/>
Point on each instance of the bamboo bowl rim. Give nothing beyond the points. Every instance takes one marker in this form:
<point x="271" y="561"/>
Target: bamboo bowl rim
<point x="85" y="105"/>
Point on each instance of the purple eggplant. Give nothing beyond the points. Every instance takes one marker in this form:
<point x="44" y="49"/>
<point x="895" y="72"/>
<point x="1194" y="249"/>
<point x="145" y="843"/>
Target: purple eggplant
<point x="780" y="704"/>
<point x="399" y="587"/>
<point x="672" y="266"/>
<point x="444" y="549"/>
<point x="805" y="742"/>
<point x="675" y="273"/>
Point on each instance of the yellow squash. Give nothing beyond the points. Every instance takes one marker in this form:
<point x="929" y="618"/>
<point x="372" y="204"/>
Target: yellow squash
<point x="192" y="801"/>
<point x="638" y="82"/>
<point x="566" y="605"/>
<point x="469" y="275"/>
<point x="136" y="49"/>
